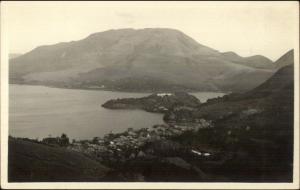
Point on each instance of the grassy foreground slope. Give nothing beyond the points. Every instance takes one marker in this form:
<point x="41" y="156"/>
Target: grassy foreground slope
<point x="33" y="162"/>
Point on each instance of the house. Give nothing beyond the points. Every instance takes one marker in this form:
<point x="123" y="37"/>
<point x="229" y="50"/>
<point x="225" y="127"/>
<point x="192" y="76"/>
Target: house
<point x="164" y="94"/>
<point x="178" y="108"/>
<point x="133" y="134"/>
<point x="162" y="108"/>
<point x="132" y="155"/>
<point x="206" y="154"/>
<point x="141" y="154"/>
<point x="52" y="140"/>
<point x="196" y="152"/>
<point x="97" y="140"/>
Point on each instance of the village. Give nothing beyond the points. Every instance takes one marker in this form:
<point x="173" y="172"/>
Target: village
<point x="127" y="145"/>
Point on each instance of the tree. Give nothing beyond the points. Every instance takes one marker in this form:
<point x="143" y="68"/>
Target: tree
<point x="64" y="140"/>
<point x="95" y="140"/>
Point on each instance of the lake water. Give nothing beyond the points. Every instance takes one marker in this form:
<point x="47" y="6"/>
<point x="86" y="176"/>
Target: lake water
<point x="38" y="111"/>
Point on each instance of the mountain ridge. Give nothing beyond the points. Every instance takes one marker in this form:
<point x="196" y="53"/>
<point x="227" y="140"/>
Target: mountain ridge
<point x="257" y="61"/>
<point x="158" y="58"/>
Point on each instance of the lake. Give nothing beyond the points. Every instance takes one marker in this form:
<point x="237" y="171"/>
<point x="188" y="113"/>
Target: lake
<point x="38" y="112"/>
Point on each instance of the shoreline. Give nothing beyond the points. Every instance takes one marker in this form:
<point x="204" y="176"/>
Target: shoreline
<point x="115" y="90"/>
<point x="102" y="90"/>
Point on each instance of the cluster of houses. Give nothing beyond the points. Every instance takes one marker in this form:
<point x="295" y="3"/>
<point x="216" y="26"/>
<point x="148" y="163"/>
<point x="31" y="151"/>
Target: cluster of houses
<point x="63" y="140"/>
<point x="127" y="145"/>
<point x="188" y="120"/>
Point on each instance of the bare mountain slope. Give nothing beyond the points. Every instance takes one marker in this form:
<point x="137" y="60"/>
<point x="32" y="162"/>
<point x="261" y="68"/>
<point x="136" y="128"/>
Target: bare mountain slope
<point x="286" y="59"/>
<point x="138" y="60"/>
<point x="256" y="61"/>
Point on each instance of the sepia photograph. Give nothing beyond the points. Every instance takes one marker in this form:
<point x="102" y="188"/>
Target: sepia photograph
<point x="150" y="95"/>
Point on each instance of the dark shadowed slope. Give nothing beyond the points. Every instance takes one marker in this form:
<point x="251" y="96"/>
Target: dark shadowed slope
<point x="33" y="162"/>
<point x="255" y="129"/>
<point x="281" y="81"/>
<point x="138" y="60"/>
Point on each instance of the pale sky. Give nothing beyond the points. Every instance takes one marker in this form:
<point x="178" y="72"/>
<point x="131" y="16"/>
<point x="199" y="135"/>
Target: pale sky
<point x="247" y="28"/>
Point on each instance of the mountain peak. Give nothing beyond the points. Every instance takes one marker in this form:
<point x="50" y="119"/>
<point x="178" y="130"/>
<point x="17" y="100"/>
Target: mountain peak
<point x="286" y="59"/>
<point x="230" y="53"/>
<point x="149" y="40"/>
<point x="125" y="31"/>
<point x="259" y="57"/>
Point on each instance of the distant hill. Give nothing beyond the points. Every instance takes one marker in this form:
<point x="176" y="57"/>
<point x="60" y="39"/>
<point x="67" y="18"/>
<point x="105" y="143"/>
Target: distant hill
<point x="34" y="162"/>
<point x="256" y="61"/>
<point x="274" y="92"/>
<point x="151" y="59"/>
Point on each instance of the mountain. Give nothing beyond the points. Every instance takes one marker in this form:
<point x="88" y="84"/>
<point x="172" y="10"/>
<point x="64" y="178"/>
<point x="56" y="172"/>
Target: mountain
<point x="151" y="59"/>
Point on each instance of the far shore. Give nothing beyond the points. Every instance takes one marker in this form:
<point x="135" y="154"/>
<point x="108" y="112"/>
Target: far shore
<point x="117" y="90"/>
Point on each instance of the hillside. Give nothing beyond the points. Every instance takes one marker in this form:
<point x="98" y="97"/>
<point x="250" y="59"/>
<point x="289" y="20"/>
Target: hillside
<point x="35" y="162"/>
<point x="279" y="88"/>
<point x="256" y="127"/>
<point x="139" y="60"/>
